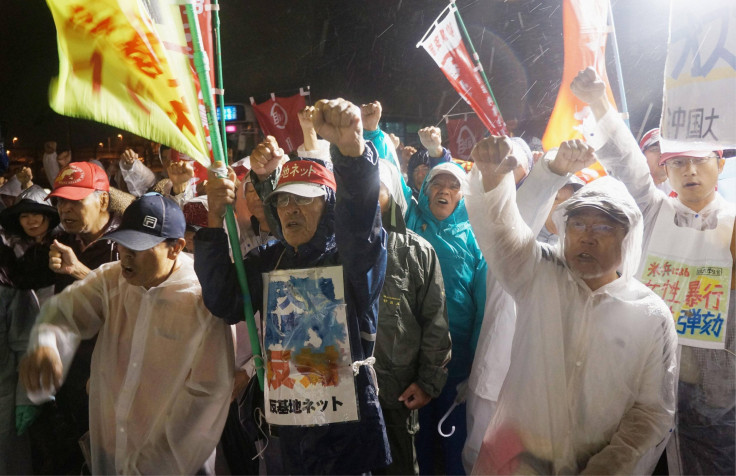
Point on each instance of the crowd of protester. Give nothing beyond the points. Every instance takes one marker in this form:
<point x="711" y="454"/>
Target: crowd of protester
<point x="497" y="319"/>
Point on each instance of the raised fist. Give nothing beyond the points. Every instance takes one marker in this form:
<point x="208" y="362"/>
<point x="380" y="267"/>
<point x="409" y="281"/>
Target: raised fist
<point x="127" y="159"/>
<point x="431" y="139"/>
<point x="371" y="114"/>
<point x="339" y="122"/>
<point x="305" y="118"/>
<point x="25" y="177"/>
<point x="572" y="156"/>
<point x="266" y="157"/>
<point x="494" y="160"/>
<point x="180" y="173"/>
<point x="588" y="86"/>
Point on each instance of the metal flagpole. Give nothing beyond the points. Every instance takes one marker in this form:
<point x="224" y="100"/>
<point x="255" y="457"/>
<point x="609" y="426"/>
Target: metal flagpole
<point x="619" y="72"/>
<point x="202" y="66"/>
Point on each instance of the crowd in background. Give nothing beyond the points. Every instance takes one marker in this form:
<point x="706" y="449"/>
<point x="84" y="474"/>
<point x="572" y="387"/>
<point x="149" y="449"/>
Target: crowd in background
<point x="495" y="312"/>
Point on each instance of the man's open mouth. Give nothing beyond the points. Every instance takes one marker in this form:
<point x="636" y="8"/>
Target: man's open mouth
<point x="586" y="257"/>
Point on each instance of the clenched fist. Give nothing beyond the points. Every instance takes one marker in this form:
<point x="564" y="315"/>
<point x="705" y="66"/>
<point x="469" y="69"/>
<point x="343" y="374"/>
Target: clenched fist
<point x="431" y="139"/>
<point x="572" y="156"/>
<point x="339" y="122"/>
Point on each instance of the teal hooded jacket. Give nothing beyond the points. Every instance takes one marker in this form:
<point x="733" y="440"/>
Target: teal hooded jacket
<point x="463" y="272"/>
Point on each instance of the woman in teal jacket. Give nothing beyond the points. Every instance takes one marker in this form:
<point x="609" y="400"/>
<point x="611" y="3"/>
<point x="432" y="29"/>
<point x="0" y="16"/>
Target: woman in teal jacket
<point x="440" y="217"/>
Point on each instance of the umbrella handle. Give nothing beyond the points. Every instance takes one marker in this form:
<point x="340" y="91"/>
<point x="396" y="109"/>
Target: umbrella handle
<point x="442" y="420"/>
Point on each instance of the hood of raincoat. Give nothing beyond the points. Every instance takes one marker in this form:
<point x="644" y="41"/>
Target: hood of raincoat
<point x="611" y="193"/>
<point x="324" y="236"/>
<point x="31" y="200"/>
<point x="459" y="216"/>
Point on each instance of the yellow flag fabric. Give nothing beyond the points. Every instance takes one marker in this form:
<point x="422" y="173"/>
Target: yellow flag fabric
<point x="126" y="63"/>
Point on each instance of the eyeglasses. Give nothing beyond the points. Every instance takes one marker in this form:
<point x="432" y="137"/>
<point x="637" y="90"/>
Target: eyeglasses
<point x="680" y="162"/>
<point x="598" y="229"/>
<point x="282" y="200"/>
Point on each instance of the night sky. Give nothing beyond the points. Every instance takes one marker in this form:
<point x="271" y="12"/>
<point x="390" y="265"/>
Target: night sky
<point x="360" y="50"/>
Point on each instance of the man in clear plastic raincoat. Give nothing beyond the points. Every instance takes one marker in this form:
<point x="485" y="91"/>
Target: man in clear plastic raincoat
<point x="688" y="259"/>
<point x="162" y="366"/>
<point x="590" y="387"/>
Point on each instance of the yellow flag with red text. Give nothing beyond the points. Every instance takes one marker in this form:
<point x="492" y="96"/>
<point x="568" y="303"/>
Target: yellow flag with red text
<point x="126" y="63"/>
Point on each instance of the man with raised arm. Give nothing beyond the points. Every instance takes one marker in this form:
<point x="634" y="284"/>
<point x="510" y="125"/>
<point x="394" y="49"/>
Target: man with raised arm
<point x="324" y="279"/>
<point x="688" y="260"/>
<point x="590" y="387"/>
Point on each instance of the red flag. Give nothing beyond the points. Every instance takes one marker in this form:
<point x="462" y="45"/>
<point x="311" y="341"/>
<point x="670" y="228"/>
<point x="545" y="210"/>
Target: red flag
<point x="278" y="117"/>
<point x="444" y="43"/>
<point x="463" y="133"/>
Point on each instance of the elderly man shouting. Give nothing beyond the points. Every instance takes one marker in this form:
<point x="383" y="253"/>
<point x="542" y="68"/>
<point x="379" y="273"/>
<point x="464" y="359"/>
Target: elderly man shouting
<point x="591" y="382"/>
<point x="317" y="289"/>
<point x="162" y="366"/>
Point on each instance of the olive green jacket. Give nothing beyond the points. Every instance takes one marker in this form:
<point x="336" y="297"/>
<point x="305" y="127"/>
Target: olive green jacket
<point x="413" y="339"/>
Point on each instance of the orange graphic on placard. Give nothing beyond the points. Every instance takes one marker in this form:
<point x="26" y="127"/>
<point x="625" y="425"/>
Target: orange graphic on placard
<point x="318" y="367"/>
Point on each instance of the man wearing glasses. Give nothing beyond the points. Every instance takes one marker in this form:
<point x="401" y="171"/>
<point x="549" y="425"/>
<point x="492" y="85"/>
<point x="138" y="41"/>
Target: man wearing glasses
<point x="317" y="289"/>
<point x="591" y="384"/>
<point x="688" y="260"/>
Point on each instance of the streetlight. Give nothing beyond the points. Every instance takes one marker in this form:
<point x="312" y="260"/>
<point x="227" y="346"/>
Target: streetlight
<point x="15" y="139"/>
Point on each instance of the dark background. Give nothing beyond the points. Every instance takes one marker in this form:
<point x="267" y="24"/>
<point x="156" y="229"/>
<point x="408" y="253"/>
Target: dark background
<point x="360" y="50"/>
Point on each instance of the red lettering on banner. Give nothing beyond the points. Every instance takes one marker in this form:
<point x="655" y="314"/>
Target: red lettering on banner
<point x="712" y="291"/>
<point x="450" y="29"/>
<point x="105" y="26"/>
<point x="673" y="287"/>
<point x="141" y="53"/>
<point x="96" y="62"/>
<point x="693" y="294"/>
<point x="179" y="114"/>
<point x="81" y="18"/>
<point x="135" y="92"/>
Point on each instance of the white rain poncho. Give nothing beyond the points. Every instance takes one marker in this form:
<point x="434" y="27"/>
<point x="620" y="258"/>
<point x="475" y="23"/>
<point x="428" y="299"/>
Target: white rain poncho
<point x="162" y="368"/>
<point x="591" y="383"/>
<point x="704" y="441"/>
<point x="493" y="353"/>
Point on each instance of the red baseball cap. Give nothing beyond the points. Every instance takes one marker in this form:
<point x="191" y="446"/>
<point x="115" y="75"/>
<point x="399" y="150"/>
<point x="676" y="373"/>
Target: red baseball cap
<point x="79" y="179"/>
<point x="649" y="139"/>
<point x="688" y="153"/>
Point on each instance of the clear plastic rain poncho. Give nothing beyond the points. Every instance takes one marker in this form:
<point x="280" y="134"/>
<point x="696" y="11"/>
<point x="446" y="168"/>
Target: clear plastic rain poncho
<point x="591" y="383"/>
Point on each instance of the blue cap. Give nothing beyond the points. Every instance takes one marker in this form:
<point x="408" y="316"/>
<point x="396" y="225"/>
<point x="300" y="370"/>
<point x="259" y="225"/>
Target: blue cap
<point x="148" y="221"/>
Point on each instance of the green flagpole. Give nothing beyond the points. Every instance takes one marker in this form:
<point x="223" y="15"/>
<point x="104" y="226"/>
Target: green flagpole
<point x="474" y="55"/>
<point x="220" y="81"/>
<point x="202" y="66"/>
